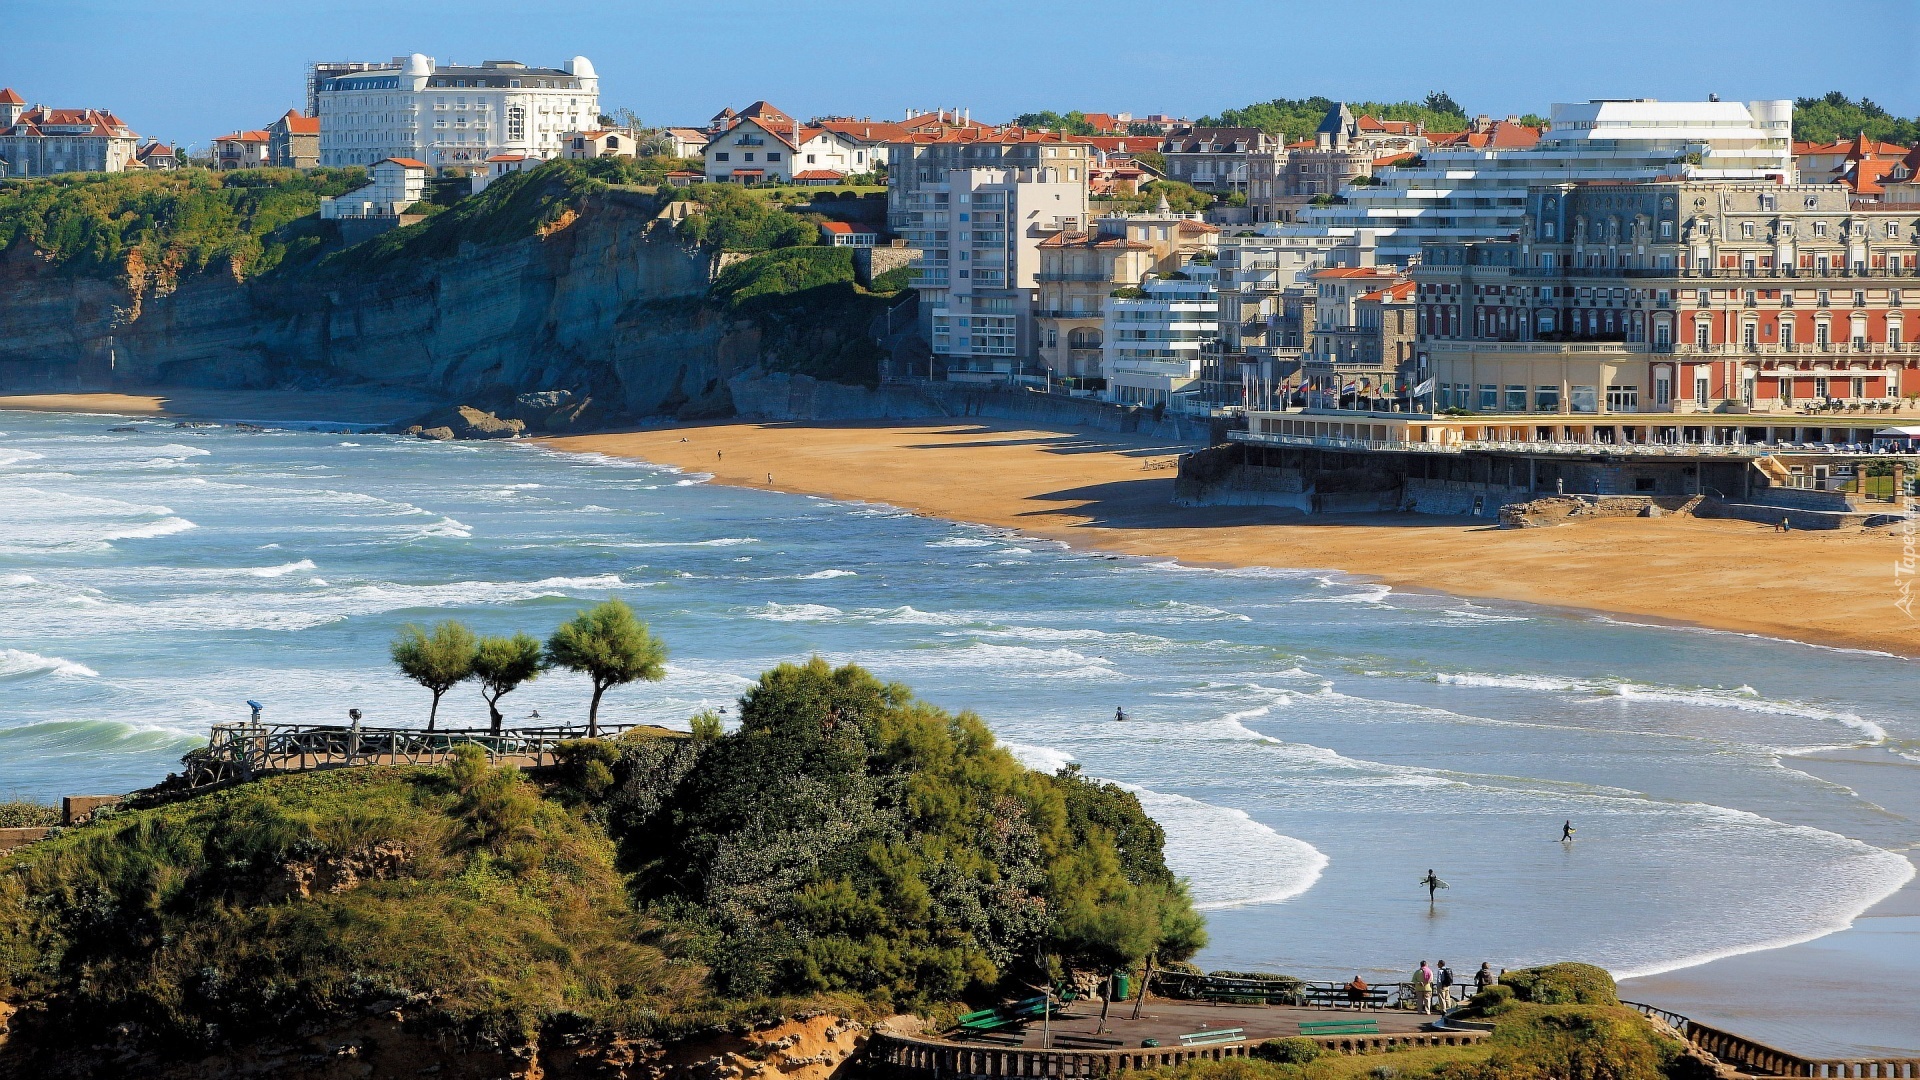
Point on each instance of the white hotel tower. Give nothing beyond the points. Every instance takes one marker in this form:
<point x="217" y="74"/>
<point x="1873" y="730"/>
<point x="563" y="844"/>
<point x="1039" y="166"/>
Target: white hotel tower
<point x="453" y="115"/>
<point x="1453" y="195"/>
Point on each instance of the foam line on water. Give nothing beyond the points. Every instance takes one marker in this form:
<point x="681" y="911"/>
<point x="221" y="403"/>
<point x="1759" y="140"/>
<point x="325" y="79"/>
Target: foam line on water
<point x="1228" y="859"/>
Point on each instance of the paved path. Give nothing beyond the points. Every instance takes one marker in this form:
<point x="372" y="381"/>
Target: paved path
<point x="1167" y="1020"/>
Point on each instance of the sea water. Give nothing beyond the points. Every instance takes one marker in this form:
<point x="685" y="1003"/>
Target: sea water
<point x="1312" y="745"/>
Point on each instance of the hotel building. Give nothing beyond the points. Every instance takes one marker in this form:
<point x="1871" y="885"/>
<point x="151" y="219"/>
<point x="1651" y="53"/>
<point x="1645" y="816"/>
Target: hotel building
<point x="453" y="115"/>
<point x="1677" y="297"/>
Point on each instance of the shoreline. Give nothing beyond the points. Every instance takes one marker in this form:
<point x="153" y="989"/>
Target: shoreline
<point x="1092" y="492"/>
<point x="358" y="407"/>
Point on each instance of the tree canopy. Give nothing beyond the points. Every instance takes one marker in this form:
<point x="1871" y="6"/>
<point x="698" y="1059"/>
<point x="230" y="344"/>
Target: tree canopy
<point x="1296" y="118"/>
<point x="1836" y="116"/>
<point x="608" y="645"/>
<point x="850" y="837"/>
<point x="436" y="661"/>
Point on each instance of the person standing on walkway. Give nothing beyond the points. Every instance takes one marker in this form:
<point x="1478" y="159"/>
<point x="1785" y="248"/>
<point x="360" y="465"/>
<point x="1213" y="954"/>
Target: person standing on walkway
<point x="1423" y="986"/>
<point x="1446" y="987"/>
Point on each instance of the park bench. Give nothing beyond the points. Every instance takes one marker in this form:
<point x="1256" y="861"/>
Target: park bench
<point x="1339" y="1027"/>
<point x="1209" y="1038"/>
<point x="1335" y="997"/>
<point x="985" y="1020"/>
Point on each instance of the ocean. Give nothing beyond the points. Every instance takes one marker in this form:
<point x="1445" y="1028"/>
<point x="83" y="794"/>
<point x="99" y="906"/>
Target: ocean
<point x="1313" y="745"/>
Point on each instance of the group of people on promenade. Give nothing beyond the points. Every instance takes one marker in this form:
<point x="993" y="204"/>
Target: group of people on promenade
<point x="1432" y="985"/>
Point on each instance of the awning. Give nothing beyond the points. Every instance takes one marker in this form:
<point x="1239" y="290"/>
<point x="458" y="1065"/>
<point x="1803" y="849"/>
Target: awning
<point x="749" y="172"/>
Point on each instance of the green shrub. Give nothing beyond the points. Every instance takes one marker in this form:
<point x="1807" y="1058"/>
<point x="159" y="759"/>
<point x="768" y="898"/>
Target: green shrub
<point x="1580" y="1042"/>
<point x="1491" y="1002"/>
<point x="1295" y="1051"/>
<point x="1562" y="984"/>
<point x="25" y="815"/>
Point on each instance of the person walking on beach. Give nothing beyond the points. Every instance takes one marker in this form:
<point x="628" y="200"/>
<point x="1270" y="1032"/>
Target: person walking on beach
<point x="1434" y="885"/>
<point x="1446" y="987"/>
<point x="1566" y="831"/>
<point x="1423" y="986"/>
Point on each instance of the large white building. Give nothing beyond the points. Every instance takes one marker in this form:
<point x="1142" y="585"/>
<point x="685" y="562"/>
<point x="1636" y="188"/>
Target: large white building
<point x="1152" y="342"/>
<point x="452" y="115"/>
<point x="1451" y="195"/>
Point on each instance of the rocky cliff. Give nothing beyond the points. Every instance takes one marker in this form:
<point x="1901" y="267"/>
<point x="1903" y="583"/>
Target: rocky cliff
<point x="605" y="302"/>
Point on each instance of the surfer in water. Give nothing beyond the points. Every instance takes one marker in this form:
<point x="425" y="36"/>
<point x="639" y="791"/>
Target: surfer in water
<point x="1566" y="832"/>
<point x="1433" y="884"/>
<point x="1119" y="713"/>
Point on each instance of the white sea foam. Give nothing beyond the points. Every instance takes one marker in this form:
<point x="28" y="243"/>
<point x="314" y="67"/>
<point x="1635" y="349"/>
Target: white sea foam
<point x="961" y="542"/>
<point x="823" y="575"/>
<point x="777" y="612"/>
<point x="15" y="663"/>
<point x="724" y="541"/>
<point x="1038" y="758"/>
<point x="282" y="570"/>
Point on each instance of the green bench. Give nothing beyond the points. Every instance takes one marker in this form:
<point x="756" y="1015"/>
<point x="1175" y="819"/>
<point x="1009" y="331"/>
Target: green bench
<point x="1339" y="1027"/>
<point x="1209" y="1038"/>
<point x="1005" y="1016"/>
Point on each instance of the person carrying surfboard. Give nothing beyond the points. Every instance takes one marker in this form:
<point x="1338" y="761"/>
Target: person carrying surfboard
<point x="1433" y="884"/>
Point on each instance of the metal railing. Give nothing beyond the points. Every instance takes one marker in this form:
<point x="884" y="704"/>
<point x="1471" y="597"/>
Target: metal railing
<point x="245" y="750"/>
<point x="1519" y="446"/>
<point x="1760" y="1058"/>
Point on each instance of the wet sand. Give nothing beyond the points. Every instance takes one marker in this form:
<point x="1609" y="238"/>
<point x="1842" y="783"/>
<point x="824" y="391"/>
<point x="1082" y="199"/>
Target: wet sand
<point x="1114" y="493"/>
<point x="346" y="406"/>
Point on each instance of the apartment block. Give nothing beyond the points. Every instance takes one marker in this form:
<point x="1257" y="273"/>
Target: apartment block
<point x="977" y="205"/>
<point x="1080" y="270"/>
<point x="1154" y="335"/>
<point x="452" y="114"/>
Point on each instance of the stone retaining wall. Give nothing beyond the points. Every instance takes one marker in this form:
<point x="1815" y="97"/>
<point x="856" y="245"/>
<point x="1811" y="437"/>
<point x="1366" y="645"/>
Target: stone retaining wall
<point x="907" y="1056"/>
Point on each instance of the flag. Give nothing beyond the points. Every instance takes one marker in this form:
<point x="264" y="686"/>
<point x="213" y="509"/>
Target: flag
<point x="1423" y="389"/>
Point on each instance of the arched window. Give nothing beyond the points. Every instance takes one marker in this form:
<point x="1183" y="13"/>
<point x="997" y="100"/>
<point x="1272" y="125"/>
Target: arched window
<point x="1085" y="337"/>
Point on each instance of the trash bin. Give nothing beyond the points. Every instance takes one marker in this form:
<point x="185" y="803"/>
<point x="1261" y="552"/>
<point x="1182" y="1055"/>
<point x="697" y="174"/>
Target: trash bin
<point x="1122" y="987"/>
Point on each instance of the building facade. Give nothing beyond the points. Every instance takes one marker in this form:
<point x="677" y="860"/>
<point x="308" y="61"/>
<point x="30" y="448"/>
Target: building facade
<point x="40" y="141"/>
<point x="1479" y="192"/>
<point x="293" y="141"/>
<point x="1220" y="159"/>
<point x="977" y="205"/>
<point x="1080" y="270"/>
<point x="1678" y="297"/>
<point x="1362" y="342"/>
<point x="1155" y="335"/>
<point x="394" y="185"/>
<point x="453" y="115"/>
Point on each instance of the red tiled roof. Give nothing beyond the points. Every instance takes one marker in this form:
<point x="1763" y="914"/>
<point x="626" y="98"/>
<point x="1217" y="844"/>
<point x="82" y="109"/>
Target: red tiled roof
<point x="99" y="122"/>
<point x="403" y="161"/>
<point x="1855" y="148"/>
<point x="1393" y="159"/>
<point x="297" y="124"/>
<point x="246" y="137"/>
<point x="844" y="228"/>
<point x="9" y="97"/>
<point x="1352" y="272"/>
<point x="762" y="111"/>
<point x="819" y="174"/>
<point x="686" y="172"/>
<point x="1392" y="294"/>
<point x="508" y="157"/>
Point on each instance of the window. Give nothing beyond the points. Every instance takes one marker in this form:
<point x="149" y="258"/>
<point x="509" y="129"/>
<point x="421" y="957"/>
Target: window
<point x="1824" y="298"/>
<point x="1516" y="399"/>
<point x="748" y="156"/>
<point x="1584" y="399"/>
<point x="1700" y="297"/>
<point x="773" y="155"/>
<point x="1893" y="336"/>
<point x="516" y="123"/>
<point x="1786" y="331"/>
<point x="1702" y="390"/>
<point x="1859" y="298"/>
<point x="1746" y="230"/>
<point x="809" y="159"/>
<point x="1819" y="386"/>
<point x="1893" y="233"/>
<point x="1546" y="232"/>
<point x="720" y="156"/>
<point x="1702" y="334"/>
<point x="1623" y="399"/>
<point x="1666" y="233"/>
<point x="1489" y="397"/>
<point x="1823" y="333"/>
<point x="1766" y="202"/>
<point x="1546" y="398"/>
<point x="1662" y="390"/>
<point x="1819" y="227"/>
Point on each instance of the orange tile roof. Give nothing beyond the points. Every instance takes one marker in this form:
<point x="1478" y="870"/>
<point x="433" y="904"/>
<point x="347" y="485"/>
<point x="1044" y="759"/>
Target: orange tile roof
<point x="819" y="174"/>
<point x="845" y="228"/>
<point x="300" y="125"/>
<point x="406" y="161"/>
<point x="1392" y="294"/>
<point x="9" y="97"/>
<point x="1352" y="272"/>
<point x="246" y="137"/>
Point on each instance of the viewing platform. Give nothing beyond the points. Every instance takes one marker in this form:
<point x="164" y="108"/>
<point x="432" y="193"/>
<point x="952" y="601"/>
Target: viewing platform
<point x="245" y="750"/>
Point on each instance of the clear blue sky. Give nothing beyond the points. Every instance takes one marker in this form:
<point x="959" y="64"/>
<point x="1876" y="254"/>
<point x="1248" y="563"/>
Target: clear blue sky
<point x="188" y="70"/>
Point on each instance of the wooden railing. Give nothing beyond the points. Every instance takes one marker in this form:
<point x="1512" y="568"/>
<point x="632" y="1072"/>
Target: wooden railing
<point x="1758" y="1057"/>
<point x="962" y="1061"/>
<point x="245" y="750"/>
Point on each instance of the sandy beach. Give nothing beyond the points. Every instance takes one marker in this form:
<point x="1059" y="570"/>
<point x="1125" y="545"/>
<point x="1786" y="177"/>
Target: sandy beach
<point x="1113" y="492"/>
<point x="369" y="406"/>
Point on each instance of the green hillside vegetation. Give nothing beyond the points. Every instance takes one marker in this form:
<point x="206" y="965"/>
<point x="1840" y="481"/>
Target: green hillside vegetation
<point x="812" y="316"/>
<point x="1835" y="116"/>
<point x="178" y="223"/>
<point x="849" y="847"/>
<point x="1296" y="118"/>
<point x="735" y="218"/>
<point x="1181" y="198"/>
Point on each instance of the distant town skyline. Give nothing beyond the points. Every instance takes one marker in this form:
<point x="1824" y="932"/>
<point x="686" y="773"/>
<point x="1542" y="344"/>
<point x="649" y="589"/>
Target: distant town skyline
<point x="189" y="71"/>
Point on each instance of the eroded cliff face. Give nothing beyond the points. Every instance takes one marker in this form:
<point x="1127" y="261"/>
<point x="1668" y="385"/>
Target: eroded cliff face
<point x="604" y="304"/>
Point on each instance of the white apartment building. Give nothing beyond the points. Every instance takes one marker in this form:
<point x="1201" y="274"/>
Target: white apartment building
<point x="1451" y="195"/>
<point x="977" y="208"/>
<point x="1151" y="343"/>
<point x="453" y="115"/>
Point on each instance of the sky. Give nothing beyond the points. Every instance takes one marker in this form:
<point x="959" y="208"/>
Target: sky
<point x="187" y="71"/>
